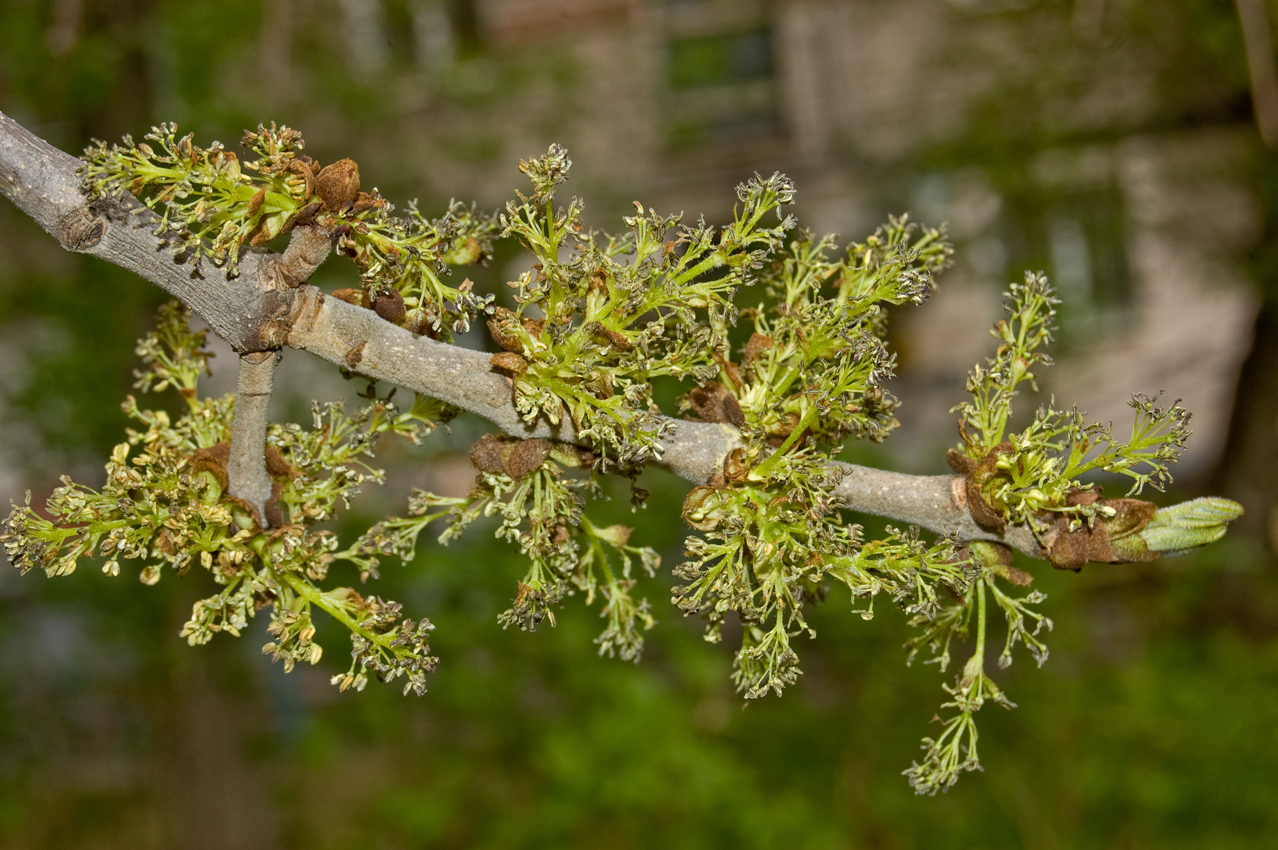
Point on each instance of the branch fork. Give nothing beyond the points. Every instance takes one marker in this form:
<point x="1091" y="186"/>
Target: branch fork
<point x="309" y="245"/>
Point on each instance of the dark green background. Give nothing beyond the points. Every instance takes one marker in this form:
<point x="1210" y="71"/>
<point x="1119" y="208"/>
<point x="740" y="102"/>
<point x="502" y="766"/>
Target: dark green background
<point x="1151" y="726"/>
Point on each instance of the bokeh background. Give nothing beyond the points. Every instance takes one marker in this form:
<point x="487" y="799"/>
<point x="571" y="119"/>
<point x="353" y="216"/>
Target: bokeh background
<point x="1119" y="145"/>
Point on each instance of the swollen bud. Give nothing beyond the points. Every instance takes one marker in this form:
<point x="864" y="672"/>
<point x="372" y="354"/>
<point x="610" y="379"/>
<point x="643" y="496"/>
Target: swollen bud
<point x="1181" y="528"/>
<point x="338" y="184"/>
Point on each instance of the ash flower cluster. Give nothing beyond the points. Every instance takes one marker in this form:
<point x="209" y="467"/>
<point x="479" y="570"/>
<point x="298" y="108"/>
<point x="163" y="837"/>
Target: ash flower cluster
<point x="769" y="330"/>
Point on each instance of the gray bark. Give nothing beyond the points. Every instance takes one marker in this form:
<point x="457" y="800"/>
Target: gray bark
<point x="42" y="181"/>
<point x="246" y="468"/>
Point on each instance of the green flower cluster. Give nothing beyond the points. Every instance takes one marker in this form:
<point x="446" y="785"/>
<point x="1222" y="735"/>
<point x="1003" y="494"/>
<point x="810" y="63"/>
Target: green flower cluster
<point x="810" y="376"/>
<point x="1018" y="478"/>
<point x="212" y="205"/>
<point x="165" y="505"/>
<point x="954" y="750"/>
<point x="523" y="482"/>
<point x="1035" y="478"/>
<point x="769" y="546"/>
<point x="816" y="364"/>
<point x="600" y="317"/>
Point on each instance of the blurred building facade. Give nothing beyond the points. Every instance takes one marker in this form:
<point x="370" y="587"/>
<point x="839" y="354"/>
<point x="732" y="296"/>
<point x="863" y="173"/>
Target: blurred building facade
<point x="1040" y="137"/>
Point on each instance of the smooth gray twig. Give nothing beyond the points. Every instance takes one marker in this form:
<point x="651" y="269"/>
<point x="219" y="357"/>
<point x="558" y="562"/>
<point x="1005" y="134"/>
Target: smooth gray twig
<point x="246" y="469"/>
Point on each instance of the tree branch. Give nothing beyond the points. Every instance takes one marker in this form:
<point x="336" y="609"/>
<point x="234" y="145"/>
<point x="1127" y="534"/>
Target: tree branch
<point x="42" y="181"/>
<point x="264" y="307"/>
<point x="246" y="468"/>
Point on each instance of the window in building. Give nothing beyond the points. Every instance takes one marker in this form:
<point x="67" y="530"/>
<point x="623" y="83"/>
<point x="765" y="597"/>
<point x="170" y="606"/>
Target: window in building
<point x="1069" y="220"/>
<point x="719" y="67"/>
<point x="1062" y="213"/>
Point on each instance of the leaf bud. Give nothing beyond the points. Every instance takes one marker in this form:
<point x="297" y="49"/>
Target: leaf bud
<point x="255" y="203"/>
<point x="701" y="506"/>
<point x="338" y="184"/>
<point x="503" y="326"/>
<point x="510" y="362"/>
<point x="515" y="458"/>
<point x="389" y="304"/>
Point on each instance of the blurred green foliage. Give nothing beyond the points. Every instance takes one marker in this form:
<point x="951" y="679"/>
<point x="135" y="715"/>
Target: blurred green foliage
<point x="1150" y="726"/>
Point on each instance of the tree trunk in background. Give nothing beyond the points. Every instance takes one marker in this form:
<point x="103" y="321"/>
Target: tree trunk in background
<point x="1249" y="469"/>
<point x="213" y="794"/>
